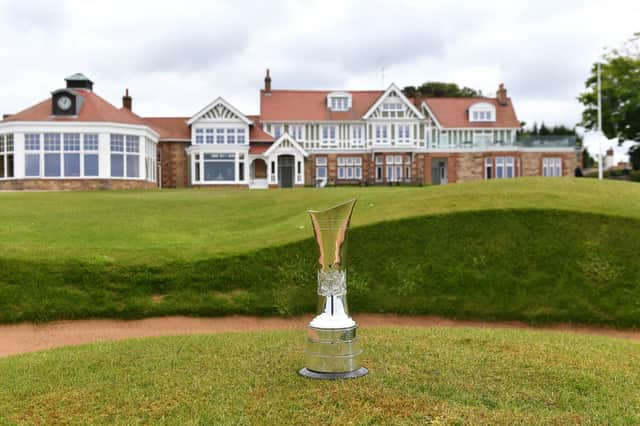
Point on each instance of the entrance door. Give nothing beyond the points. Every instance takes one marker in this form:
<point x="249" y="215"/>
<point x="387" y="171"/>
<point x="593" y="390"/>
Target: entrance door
<point x="285" y="171"/>
<point x="439" y="171"/>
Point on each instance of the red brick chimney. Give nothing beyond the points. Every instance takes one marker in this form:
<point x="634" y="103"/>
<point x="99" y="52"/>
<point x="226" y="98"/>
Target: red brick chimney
<point x="267" y="83"/>
<point x="127" y="100"/>
<point x="501" y="94"/>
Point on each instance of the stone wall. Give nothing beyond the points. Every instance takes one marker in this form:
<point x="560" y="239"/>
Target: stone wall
<point x="74" y="184"/>
<point x="175" y="167"/>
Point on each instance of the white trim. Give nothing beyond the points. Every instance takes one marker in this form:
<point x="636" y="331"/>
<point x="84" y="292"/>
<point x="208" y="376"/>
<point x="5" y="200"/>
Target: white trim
<point x="226" y="104"/>
<point x="431" y="114"/>
<point x="278" y="142"/>
<point x="401" y="95"/>
<point x="27" y="126"/>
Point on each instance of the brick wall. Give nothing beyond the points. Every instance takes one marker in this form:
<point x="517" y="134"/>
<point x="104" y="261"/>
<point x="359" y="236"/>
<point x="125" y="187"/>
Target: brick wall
<point x="74" y="184"/>
<point x="174" y="164"/>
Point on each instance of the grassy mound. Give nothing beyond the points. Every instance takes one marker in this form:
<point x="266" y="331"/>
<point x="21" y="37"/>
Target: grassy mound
<point x="471" y="376"/>
<point x="530" y="265"/>
<point x="536" y="250"/>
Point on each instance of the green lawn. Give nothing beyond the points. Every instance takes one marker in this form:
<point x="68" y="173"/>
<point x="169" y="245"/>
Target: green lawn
<point x="418" y="376"/>
<point x="533" y="249"/>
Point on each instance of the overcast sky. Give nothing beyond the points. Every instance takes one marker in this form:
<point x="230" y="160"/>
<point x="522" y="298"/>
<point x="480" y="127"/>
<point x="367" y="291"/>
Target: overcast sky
<point x="175" y="57"/>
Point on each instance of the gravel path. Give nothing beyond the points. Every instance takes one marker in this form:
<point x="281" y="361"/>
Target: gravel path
<point x="28" y="337"/>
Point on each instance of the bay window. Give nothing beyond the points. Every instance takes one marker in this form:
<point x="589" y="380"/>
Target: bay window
<point x="219" y="167"/>
<point x="71" y="156"/>
<point x="150" y="159"/>
<point x="133" y="156"/>
<point x="117" y="155"/>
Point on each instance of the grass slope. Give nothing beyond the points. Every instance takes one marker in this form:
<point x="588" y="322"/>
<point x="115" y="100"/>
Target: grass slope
<point x="418" y="376"/>
<point x="547" y="254"/>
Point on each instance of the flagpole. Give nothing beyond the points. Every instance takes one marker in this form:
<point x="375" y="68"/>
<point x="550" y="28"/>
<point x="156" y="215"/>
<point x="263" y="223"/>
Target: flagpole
<point x="600" y="136"/>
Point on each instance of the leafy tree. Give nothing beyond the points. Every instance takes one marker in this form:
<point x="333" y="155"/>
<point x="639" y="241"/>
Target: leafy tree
<point x="620" y="76"/>
<point x="544" y="131"/>
<point x="438" y="89"/>
<point x="634" y="157"/>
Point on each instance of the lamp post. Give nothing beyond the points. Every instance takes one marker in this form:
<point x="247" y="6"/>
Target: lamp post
<point x="600" y="136"/>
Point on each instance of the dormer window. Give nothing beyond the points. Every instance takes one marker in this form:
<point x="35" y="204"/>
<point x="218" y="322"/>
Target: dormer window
<point x="339" y="101"/>
<point x="482" y="112"/>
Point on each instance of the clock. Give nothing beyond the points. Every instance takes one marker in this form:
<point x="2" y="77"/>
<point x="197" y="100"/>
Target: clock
<point x="64" y="103"/>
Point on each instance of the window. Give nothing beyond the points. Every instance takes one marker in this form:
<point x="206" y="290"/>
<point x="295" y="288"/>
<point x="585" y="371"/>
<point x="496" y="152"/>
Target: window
<point x="321" y="167"/>
<point x="219" y="136"/>
<point x="90" y="145"/>
<point x="241" y="167"/>
<point x="219" y="167"/>
<point x="499" y="167"/>
<point x="392" y="109"/>
<point x="241" y="139"/>
<point x="482" y="138"/>
<point x="510" y="167"/>
<point x="32" y="155"/>
<point x="404" y="133"/>
<point x="296" y="132"/>
<point x="209" y="138"/>
<point x="357" y="135"/>
<point x="552" y="166"/>
<point x="117" y="155"/>
<point x="328" y="135"/>
<point x="231" y="136"/>
<point x="149" y="160"/>
<point x="199" y="136"/>
<point x="196" y="163"/>
<point x="349" y="167"/>
<point x="488" y="168"/>
<point x="444" y="139"/>
<point x="6" y="156"/>
<point x="133" y="156"/>
<point x="482" y="112"/>
<point x="407" y="167"/>
<point x="339" y="103"/>
<point x="277" y="130"/>
<point x="71" y="159"/>
<point x="52" y="161"/>
<point x="382" y="134"/>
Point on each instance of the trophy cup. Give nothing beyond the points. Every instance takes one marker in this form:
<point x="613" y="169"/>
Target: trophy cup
<point x="333" y="349"/>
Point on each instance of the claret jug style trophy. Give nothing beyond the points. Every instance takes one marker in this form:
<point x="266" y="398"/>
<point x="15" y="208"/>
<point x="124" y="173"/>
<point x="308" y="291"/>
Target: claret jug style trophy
<point x="333" y="349"/>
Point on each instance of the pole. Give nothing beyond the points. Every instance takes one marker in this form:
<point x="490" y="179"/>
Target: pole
<point x="600" y="136"/>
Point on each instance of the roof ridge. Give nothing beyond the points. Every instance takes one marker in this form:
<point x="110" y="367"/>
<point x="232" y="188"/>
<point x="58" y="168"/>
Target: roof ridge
<point x="326" y="90"/>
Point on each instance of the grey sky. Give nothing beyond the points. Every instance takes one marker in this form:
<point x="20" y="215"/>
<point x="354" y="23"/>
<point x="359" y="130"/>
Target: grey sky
<point x="176" y="57"/>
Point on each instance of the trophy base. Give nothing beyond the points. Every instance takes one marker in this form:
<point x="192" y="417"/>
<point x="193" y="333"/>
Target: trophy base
<point x="333" y="354"/>
<point x="305" y="372"/>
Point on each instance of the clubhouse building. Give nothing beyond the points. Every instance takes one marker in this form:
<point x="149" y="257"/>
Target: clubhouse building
<point x="77" y="140"/>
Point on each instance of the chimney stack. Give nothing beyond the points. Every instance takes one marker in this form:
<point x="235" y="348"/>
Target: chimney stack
<point x="127" y="100"/>
<point x="501" y="95"/>
<point x="5" y="116"/>
<point x="267" y="83"/>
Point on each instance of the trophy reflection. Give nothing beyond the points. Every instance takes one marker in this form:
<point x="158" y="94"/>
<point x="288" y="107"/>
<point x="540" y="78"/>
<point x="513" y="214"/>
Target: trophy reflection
<point x="333" y="349"/>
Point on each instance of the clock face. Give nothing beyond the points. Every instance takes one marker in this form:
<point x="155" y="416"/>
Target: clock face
<point x="64" y="102"/>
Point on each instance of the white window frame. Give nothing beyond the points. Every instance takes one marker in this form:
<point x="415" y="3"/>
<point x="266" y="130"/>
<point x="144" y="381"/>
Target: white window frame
<point x="6" y="151"/>
<point x="357" y="135"/>
<point x="329" y="133"/>
<point x="349" y="168"/>
<point x="381" y="134"/>
<point x="403" y="133"/>
<point x="321" y="164"/>
<point x="552" y="166"/>
<point x="297" y="132"/>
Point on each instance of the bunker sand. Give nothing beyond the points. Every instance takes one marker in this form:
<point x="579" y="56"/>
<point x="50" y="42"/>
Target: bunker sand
<point x="29" y="337"/>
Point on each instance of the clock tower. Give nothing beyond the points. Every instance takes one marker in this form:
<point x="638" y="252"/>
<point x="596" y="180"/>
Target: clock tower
<point x="67" y="102"/>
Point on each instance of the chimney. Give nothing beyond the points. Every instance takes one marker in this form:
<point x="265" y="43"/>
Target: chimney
<point x="501" y="95"/>
<point x="127" y="100"/>
<point x="267" y="83"/>
<point x="5" y="116"/>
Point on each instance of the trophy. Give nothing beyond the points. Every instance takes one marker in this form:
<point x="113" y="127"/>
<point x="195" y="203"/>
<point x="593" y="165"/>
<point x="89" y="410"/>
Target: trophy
<point x="333" y="349"/>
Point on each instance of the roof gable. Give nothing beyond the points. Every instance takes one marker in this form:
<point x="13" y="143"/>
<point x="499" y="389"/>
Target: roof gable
<point x="286" y="141"/>
<point x="219" y="109"/>
<point x="393" y="90"/>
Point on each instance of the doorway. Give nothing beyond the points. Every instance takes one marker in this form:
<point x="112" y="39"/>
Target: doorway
<point x="439" y="175"/>
<point x="285" y="171"/>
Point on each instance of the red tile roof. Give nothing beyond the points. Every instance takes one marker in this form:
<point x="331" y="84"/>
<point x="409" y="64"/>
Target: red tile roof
<point x="453" y="112"/>
<point x="171" y="128"/>
<point x="93" y="109"/>
<point x="255" y="130"/>
<point x="259" y="147"/>
<point x="311" y="105"/>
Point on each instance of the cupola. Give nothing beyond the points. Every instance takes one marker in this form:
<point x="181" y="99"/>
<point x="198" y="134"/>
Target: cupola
<point x="79" y="81"/>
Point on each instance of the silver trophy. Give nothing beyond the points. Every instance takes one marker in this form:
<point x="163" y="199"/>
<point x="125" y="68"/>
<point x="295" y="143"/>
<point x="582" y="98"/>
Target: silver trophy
<point x="333" y="349"/>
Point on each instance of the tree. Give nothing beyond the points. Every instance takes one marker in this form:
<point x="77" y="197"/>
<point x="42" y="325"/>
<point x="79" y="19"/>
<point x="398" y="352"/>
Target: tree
<point x="544" y="131"/>
<point x="438" y="89"/>
<point x="634" y="157"/>
<point x="620" y="76"/>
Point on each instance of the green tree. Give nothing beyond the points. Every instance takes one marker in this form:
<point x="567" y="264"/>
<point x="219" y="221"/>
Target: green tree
<point x="620" y="75"/>
<point x="438" y="89"/>
<point x="634" y="157"/>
